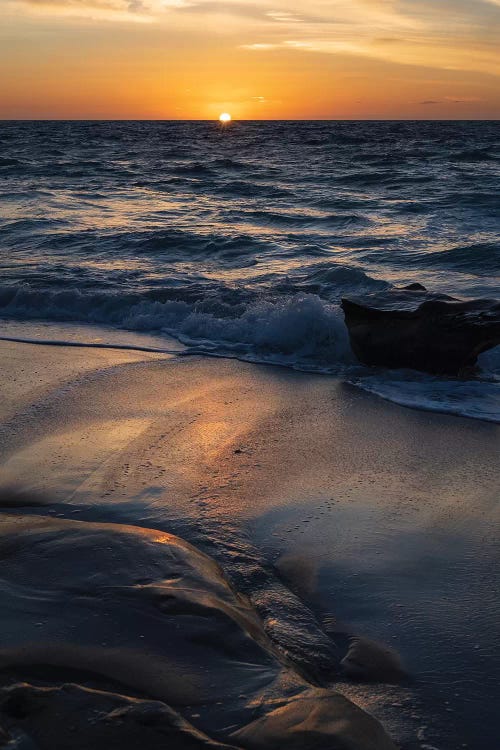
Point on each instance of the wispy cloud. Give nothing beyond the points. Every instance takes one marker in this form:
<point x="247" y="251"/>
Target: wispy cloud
<point x="459" y="35"/>
<point x="453" y="100"/>
<point x="144" y="11"/>
<point x="121" y="5"/>
<point x="259" y="46"/>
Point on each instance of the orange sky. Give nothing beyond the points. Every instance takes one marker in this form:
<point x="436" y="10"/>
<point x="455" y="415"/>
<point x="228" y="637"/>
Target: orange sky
<point x="258" y="59"/>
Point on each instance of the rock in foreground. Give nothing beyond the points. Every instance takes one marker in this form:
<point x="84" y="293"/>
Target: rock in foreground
<point x="93" y="719"/>
<point x="118" y="636"/>
<point x="414" y="328"/>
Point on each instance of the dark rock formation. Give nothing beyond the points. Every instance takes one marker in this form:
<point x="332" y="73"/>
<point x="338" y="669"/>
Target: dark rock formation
<point x="369" y="660"/>
<point x="139" y="641"/>
<point x="72" y="716"/>
<point x="411" y="327"/>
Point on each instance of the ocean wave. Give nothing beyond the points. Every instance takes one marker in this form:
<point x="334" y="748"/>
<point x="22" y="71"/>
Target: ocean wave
<point x="284" y="218"/>
<point x="300" y="329"/>
<point x="474" y="155"/>
<point x="331" y="281"/>
<point x="182" y="242"/>
<point x="196" y="169"/>
<point x="177" y="242"/>
<point x="123" y="285"/>
<point x="231" y="165"/>
<point x="28" y="226"/>
<point x="312" y="250"/>
<point x="471" y="199"/>
<point x="489" y="362"/>
<point x="367" y="177"/>
<point x="9" y="161"/>
<point x="249" y="189"/>
<point x="480" y="258"/>
<point x="172" y="244"/>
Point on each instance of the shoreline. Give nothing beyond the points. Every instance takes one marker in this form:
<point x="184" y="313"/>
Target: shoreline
<point x="456" y="396"/>
<point x="318" y="501"/>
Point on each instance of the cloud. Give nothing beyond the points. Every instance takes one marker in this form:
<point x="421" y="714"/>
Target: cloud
<point x="143" y="10"/>
<point x="283" y="16"/>
<point x="68" y="4"/>
<point x="136" y="6"/>
<point x="460" y="35"/>
<point x="463" y="99"/>
<point x="445" y="35"/>
<point x="452" y="100"/>
<point x="215" y="8"/>
<point x="259" y="46"/>
<point x="449" y="35"/>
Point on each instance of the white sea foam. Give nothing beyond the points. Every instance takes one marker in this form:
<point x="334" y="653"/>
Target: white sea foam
<point x="301" y="328"/>
<point x="478" y="398"/>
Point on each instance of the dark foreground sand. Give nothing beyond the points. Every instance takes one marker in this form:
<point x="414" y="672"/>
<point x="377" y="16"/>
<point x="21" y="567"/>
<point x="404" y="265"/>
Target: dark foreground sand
<point x="198" y="541"/>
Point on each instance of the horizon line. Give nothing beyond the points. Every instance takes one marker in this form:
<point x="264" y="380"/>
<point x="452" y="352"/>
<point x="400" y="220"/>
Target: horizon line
<point x="249" y="119"/>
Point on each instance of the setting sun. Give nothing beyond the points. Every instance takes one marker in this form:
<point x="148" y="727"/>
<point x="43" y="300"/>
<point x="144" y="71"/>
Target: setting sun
<point x="225" y="117"/>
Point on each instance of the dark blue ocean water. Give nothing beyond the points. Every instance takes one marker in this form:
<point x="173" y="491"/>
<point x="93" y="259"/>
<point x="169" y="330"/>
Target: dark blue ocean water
<point x="240" y="240"/>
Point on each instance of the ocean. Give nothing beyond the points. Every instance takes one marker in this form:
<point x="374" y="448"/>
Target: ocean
<point x="240" y="240"/>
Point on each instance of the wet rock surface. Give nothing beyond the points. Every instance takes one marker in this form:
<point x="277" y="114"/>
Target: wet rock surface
<point x="414" y="328"/>
<point x="72" y="716"/>
<point x="316" y="719"/>
<point x="123" y="636"/>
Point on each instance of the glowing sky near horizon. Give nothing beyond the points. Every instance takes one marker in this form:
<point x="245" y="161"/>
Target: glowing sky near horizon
<point x="258" y="59"/>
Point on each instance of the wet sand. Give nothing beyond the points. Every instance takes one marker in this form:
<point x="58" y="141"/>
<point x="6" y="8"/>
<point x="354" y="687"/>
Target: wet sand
<point x="331" y="514"/>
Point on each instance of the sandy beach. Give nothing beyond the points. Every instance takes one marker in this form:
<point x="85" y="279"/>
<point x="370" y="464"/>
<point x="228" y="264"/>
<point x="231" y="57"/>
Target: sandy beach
<point x="191" y="546"/>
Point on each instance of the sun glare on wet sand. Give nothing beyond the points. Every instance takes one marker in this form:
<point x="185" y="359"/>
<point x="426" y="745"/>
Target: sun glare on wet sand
<point x="225" y="117"/>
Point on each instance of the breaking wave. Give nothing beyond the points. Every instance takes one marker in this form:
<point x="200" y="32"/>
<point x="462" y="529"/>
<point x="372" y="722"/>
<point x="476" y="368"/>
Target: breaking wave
<point x="302" y="329"/>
